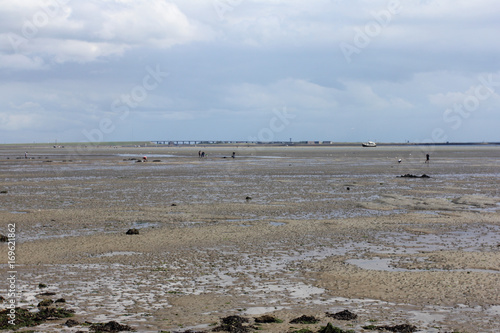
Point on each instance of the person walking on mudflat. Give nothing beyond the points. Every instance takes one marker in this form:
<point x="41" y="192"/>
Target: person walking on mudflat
<point x="427" y="158"/>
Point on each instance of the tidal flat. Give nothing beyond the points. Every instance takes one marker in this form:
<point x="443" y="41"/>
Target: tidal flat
<point x="281" y="231"/>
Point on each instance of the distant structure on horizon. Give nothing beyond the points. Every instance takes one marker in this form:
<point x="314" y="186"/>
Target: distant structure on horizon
<point x="311" y="143"/>
<point x="219" y="142"/>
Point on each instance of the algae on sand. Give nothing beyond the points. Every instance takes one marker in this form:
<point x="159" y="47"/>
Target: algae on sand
<point x="25" y="318"/>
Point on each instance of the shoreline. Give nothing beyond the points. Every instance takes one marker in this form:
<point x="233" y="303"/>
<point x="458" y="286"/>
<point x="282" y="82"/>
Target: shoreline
<point x="215" y="144"/>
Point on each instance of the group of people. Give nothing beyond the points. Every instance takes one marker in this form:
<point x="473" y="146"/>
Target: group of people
<point x="427" y="159"/>
<point x="201" y="154"/>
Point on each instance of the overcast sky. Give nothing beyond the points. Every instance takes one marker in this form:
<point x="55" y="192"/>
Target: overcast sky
<point x="340" y="70"/>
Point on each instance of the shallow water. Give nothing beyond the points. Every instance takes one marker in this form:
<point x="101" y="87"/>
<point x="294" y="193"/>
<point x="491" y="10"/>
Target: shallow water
<point x="388" y="265"/>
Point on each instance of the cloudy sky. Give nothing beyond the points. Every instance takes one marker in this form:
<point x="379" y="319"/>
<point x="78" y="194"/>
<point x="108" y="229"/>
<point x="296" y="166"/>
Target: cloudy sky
<point x="340" y="70"/>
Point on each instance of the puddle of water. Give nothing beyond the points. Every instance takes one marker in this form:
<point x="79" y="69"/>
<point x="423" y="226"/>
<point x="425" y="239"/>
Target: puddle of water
<point x="221" y="280"/>
<point x="242" y="220"/>
<point x="427" y="212"/>
<point x="40" y="231"/>
<point x="472" y="239"/>
<point x="190" y="328"/>
<point x="52" y="233"/>
<point x="386" y="264"/>
<point x="494" y="310"/>
<point x="277" y="224"/>
<point x="302" y="290"/>
<point x="260" y="310"/>
<point x="190" y="224"/>
<point x="342" y="214"/>
<point x="142" y="225"/>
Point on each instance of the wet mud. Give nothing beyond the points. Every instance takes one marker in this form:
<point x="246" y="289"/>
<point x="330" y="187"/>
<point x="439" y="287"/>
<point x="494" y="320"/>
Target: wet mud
<point x="279" y="232"/>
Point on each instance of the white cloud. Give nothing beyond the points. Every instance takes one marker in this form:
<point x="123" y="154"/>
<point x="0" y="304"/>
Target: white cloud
<point x="30" y="116"/>
<point x="474" y="97"/>
<point x="91" y="30"/>
<point x="445" y="100"/>
<point x="10" y="121"/>
<point x="76" y="50"/>
<point x="20" y="61"/>
<point x="156" y="23"/>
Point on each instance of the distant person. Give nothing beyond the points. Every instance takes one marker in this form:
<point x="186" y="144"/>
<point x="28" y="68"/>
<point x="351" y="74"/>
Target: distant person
<point x="427" y="158"/>
<point x="199" y="153"/>
<point x="144" y="158"/>
<point x="234" y="155"/>
<point x="26" y="155"/>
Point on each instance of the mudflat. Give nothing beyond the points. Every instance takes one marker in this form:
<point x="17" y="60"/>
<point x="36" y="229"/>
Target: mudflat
<point x="281" y="231"/>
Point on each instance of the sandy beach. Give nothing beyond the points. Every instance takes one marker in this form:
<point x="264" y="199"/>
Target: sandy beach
<point x="283" y="231"/>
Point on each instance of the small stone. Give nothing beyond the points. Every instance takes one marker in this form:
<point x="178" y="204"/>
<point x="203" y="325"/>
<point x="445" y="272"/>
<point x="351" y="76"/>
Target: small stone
<point x="45" y="302"/>
<point x="48" y="293"/>
<point x="71" y="323"/>
<point x="343" y="315"/>
<point x="233" y="324"/>
<point x="304" y="320"/>
<point x="132" y="232"/>
<point x="404" y="328"/>
<point x="111" y="326"/>
<point x="267" y="319"/>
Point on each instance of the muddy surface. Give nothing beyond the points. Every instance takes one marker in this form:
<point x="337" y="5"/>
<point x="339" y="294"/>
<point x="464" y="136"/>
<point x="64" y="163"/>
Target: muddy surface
<point x="284" y="232"/>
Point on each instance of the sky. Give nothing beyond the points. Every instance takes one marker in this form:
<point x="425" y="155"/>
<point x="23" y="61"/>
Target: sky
<point x="249" y="70"/>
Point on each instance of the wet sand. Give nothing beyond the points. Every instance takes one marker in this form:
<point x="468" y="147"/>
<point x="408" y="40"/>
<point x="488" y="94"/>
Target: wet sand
<point x="323" y="229"/>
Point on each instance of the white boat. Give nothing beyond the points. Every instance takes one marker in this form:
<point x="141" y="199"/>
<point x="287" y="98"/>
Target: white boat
<point x="369" y="144"/>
